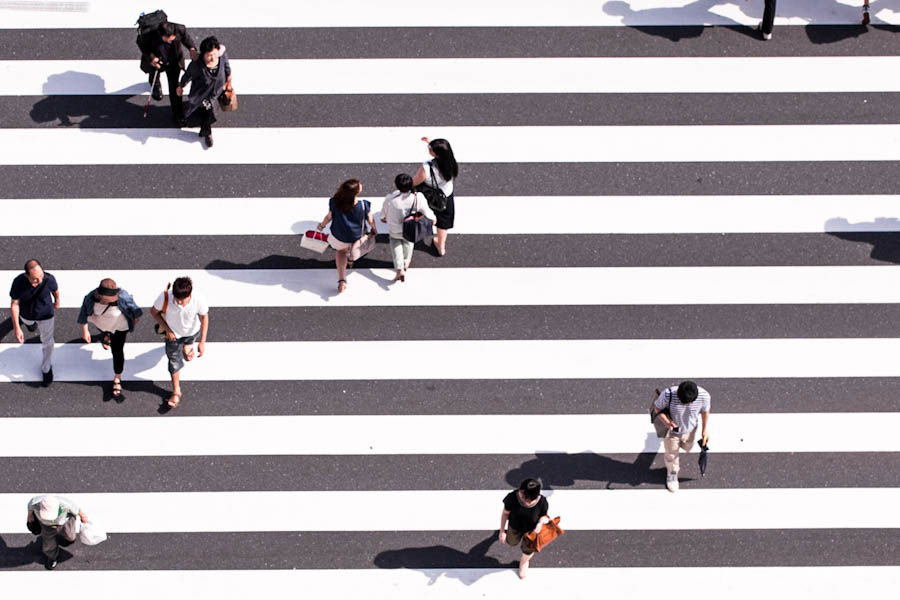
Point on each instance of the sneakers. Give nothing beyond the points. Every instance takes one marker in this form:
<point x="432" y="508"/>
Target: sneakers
<point x="672" y="482"/>
<point x="765" y="36"/>
<point x="50" y="564"/>
<point x="48" y="378"/>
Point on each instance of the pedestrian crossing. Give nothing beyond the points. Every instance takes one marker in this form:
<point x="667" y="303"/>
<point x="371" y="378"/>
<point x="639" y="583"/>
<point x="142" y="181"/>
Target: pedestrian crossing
<point x="631" y="213"/>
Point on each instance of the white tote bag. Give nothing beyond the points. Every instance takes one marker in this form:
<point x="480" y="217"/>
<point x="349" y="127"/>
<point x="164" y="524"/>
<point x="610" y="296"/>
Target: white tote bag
<point x="315" y="241"/>
<point x="90" y="534"/>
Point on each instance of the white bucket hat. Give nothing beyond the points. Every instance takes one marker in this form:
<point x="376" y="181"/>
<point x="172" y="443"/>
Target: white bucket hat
<point x="48" y="509"/>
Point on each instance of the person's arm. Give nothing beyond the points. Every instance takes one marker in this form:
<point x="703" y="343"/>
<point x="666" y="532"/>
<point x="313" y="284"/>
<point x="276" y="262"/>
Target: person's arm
<point x="188" y="42"/>
<point x="161" y="319"/>
<point x="372" y="229"/>
<point x="704" y="417"/>
<point x="504" y="517"/>
<point x="227" y="67"/>
<point x="14" y="315"/>
<point x="85" y="333"/>
<point x="55" y="299"/>
<point x="420" y="176"/>
<point x="324" y="222"/>
<point x="204" y="327"/>
<point x="661" y="415"/>
<point x="30" y="515"/>
<point x="185" y="79"/>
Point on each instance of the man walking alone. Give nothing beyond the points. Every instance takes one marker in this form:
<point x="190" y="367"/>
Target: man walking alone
<point x="35" y="298"/>
<point x="687" y="405"/>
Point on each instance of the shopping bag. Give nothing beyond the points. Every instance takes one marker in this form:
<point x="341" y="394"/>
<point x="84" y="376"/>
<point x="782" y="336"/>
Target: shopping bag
<point x="315" y="241"/>
<point x="228" y="100"/>
<point x="549" y="532"/>
<point x="91" y="534"/>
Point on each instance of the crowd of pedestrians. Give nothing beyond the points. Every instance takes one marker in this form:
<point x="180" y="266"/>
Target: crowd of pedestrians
<point x="181" y="316"/>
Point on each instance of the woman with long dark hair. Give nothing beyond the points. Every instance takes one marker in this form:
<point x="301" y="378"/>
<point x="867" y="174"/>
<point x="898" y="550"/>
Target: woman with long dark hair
<point x="347" y="215"/>
<point x="524" y="509"/>
<point x="439" y="172"/>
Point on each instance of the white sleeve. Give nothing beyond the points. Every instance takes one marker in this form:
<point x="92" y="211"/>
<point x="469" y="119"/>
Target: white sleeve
<point x="158" y="304"/>
<point x="202" y="306"/>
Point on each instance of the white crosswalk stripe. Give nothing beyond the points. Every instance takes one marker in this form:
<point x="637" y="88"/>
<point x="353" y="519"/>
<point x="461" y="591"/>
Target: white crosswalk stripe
<point x="402" y="498"/>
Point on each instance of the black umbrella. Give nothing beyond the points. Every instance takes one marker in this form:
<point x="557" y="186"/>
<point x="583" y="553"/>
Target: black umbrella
<point x="704" y="458"/>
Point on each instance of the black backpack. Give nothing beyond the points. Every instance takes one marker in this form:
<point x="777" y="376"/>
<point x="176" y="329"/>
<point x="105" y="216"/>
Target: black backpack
<point x="147" y="23"/>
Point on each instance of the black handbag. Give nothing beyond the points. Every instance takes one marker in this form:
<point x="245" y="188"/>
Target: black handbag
<point x="416" y="226"/>
<point x="436" y="198"/>
<point x="34" y="526"/>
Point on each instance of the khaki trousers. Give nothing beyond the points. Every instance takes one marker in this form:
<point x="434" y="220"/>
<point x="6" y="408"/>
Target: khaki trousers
<point x="49" y="533"/>
<point x="672" y="443"/>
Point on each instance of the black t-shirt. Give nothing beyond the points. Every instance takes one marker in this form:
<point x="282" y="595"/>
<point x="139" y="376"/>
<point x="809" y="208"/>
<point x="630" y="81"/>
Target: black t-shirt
<point x="35" y="303"/>
<point x="521" y="518"/>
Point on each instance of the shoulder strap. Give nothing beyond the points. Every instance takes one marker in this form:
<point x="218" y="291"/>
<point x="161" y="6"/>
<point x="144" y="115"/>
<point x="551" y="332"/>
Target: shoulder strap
<point x="433" y="178"/>
<point x="166" y="298"/>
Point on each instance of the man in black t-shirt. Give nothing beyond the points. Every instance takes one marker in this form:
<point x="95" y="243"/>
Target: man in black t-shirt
<point x="35" y="298"/>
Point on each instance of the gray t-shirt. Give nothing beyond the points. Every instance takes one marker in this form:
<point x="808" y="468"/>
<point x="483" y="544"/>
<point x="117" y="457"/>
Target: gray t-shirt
<point x="685" y="416"/>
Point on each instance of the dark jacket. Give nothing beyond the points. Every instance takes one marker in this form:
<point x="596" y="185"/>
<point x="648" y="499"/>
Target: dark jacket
<point x="150" y="47"/>
<point x="204" y="85"/>
<point x="126" y="304"/>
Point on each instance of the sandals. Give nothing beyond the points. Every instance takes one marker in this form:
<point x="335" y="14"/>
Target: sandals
<point x="117" y="388"/>
<point x="175" y="400"/>
<point x="342" y="285"/>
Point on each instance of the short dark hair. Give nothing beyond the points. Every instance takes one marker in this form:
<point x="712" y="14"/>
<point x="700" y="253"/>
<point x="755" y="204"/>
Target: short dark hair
<point x="687" y="392"/>
<point x="165" y="29"/>
<point x="32" y="263"/>
<point x="182" y="287"/>
<point x="208" y="44"/>
<point x="403" y="182"/>
<point x="530" y="488"/>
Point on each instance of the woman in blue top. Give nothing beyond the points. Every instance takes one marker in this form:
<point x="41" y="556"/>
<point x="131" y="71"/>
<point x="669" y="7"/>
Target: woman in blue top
<point x="114" y="313"/>
<point x="347" y="215"/>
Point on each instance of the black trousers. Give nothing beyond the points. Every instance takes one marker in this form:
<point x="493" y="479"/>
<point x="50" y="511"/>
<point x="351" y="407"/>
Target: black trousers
<point x="768" y="20"/>
<point x="173" y="74"/>
<point x="117" y="346"/>
<point x="207" y="118"/>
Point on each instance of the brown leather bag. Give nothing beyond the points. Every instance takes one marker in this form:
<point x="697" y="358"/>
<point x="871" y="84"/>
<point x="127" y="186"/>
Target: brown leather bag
<point x="228" y="100"/>
<point x="549" y="532"/>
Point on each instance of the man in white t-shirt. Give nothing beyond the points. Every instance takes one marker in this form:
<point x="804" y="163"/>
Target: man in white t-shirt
<point x="184" y="316"/>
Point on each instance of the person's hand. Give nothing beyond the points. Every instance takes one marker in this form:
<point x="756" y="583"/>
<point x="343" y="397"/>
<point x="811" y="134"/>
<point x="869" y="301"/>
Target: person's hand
<point x="170" y="336"/>
<point x="704" y="439"/>
<point x="20" y="336"/>
<point x="83" y="516"/>
<point x="537" y="528"/>
<point x="426" y="140"/>
<point x="201" y="348"/>
<point x="320" y="227"/>
<point x="670" y="425"/>
<point x="86" y="336"/>
<point x="502" y="537"/>
<point x="384" y="219"/>
<point x="179" y="90"/>
<point x="194" y="54"/>
<point x="155" y="62"/>
<point x="229" y="88"/>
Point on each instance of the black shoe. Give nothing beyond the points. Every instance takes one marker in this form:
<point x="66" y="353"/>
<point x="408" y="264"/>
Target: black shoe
<point x="61" y="541"/>
<point x="48" y="378"/>
<point x="181" y="121"/>
<point x="50" y="564"/>
<point x="209" y="140"/>
<point x="157" y="93"/>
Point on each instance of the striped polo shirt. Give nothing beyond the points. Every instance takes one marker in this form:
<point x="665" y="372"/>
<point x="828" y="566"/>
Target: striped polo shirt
<point x="686" y="416"/>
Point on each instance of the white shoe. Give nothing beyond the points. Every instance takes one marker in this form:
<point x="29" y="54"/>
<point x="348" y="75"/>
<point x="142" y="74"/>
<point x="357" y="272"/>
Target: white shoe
<point x="767" y="36"/>
<point x="672" y="482"/>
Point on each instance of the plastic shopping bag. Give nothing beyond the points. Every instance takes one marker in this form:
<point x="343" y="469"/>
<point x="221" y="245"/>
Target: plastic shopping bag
<point x="91" y="534"/>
